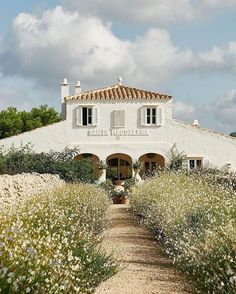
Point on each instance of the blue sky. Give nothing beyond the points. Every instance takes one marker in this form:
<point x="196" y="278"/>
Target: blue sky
<point x="186" y="48"/>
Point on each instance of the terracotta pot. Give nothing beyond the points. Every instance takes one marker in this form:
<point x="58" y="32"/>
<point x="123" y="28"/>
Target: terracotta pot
<point x="125" y="200"/>
<point x="117" y="200"/>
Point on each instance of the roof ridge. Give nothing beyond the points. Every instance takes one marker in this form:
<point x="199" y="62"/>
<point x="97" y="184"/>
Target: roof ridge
<point x="138" y="89"/>
<point x="92" y="91"/>
<point x="136" y="93"/>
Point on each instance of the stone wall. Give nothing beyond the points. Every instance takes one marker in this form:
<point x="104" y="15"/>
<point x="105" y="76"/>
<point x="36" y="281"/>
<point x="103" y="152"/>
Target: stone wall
<point x="18" y="187"/>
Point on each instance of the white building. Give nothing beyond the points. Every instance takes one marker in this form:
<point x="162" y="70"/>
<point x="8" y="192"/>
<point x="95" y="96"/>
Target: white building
<point x="118" y="124"/>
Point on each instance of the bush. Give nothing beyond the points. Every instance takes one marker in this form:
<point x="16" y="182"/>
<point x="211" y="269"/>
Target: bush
<point x="177" y="158"/>
<point x="108" y="187"/>
<point x="14" y="122"/>
<point x="49" y="243"/>
<point x="24" y="159"/>
<point x="196" y="223"/>
<point x="129" y="183"/>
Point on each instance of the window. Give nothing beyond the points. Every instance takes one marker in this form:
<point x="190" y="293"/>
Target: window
<point x="195" y="163"/>
<point x="151" y="115"/>
<point x="87" y="116"/>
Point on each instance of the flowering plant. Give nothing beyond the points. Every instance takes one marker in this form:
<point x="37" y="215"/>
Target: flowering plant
<point x="49" y="243"/>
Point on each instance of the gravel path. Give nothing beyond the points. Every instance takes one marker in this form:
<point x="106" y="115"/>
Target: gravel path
<point x="145" y="268"/>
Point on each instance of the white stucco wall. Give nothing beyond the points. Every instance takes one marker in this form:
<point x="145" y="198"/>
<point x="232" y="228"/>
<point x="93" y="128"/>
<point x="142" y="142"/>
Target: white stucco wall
<point x="216" y="150"/>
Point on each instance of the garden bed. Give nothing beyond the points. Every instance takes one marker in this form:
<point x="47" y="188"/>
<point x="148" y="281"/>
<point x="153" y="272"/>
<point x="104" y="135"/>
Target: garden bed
<point x="196" y="223"/>
<point x="49" y="243"/>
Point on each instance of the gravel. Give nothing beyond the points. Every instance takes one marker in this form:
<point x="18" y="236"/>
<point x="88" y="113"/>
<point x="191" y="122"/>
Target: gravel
<point x="145" y="268"/>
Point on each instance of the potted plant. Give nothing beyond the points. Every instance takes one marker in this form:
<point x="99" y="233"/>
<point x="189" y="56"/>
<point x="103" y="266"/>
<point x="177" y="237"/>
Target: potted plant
<point x="120" y="196"/>
<point x="137" y="166"/>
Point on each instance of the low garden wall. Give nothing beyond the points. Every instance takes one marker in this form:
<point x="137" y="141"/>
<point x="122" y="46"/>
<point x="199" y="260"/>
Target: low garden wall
<point x="20" y="186"/>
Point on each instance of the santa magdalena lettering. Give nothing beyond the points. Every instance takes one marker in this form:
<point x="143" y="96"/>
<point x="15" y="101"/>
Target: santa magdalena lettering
<point x="125" y="132"/>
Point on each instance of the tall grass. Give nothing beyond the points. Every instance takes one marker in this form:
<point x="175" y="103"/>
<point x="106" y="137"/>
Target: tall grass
<point x="49" y="243"/>
<point x="196" y="222"/>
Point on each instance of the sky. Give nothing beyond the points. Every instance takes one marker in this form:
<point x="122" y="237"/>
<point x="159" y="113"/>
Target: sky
<point x="184" y="48"/>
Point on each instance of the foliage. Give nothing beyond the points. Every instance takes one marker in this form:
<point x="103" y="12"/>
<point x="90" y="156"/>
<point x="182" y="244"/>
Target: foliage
<point x="101" y="164"/>
<point x="14" y="122"/>
<point x="195" y="221"/>
<point x="108" y="187"/>
<point x="49" y="243"/>
<point x="129" y="183"/>
<point x="11" y="122"/>
<point x="137" y="164"/>
<point x="216" y="176"/>
<point x="24" y="159"/>
<point x="233" y="134"/>
<point x="176" y="158"/>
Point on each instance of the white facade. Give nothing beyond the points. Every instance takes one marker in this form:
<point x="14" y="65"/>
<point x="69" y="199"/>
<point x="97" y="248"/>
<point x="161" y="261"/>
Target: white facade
<point x="115" y="125"/>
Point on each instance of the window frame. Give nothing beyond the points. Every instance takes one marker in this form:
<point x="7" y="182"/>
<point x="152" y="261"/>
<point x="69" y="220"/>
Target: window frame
<point x="195" y="161"/>
<point x="89" y="116"/>
<point x="151" y="115"/>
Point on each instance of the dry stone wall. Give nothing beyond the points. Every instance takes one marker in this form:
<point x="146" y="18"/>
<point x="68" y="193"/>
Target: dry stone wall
<point x="19" y="187"/>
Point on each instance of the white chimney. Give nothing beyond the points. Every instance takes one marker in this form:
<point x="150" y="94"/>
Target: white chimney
<point x="195" y="123"/>
<point x="120" y="80"/>
<point x="78" y="89"/>
<point x="65" y="90"/>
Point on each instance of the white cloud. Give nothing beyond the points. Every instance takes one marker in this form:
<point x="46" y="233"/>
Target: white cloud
<point x="217" y="115"/>
<point x="59" y="43"/>
<point x="63" y="43"/>
<point x="161" y="12"/>
<point x="184" y="111"/>
<point x="24" y="94"/>
<point x="224" y="109"/>
<point x="2" y="45"/>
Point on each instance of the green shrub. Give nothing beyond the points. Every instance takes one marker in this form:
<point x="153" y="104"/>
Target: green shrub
<point x="196" y="223"/>
<point x="24" y="159"/>
<point x="108" y="187"/>
<point x="176" y="158"/>
<point x="129" y="183"/>
<point x="49" y="243"/>
<point x="14" y="122"/>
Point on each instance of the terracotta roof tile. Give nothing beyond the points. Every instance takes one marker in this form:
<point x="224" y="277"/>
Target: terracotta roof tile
<point x="118" y="92"/>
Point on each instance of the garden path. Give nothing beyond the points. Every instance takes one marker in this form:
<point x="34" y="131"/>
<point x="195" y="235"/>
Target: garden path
<point x="145" y="269"/>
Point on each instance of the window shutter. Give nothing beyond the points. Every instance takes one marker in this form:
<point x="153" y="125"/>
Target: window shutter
<point x="119" y="118"/>
<point x="143" y="116"/>
<point x="160" y="118"/>
<point x="79" y="116"/>
<point x="95" y="116"/>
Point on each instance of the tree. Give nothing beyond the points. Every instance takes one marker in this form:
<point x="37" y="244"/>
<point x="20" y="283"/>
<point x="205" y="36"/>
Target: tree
<point x="47" y="115"/>
<point x="10" y="122"/>
<point x="233" y="134"/>
<point x="30" y="122"/>
<point x="13" y="122"/>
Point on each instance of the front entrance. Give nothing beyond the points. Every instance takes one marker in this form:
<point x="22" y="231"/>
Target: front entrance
<point x="119" y="167"/>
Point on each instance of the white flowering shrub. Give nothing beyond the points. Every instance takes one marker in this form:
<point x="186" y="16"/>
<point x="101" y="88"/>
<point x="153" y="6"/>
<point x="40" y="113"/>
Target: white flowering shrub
<point x="196" y="222"/>
<point x="49" y="243"/>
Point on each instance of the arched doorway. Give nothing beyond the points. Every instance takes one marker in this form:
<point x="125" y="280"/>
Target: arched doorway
<point x="151" y="163"/>
<point x="119" y="167"/>
<point x="94" y="158"/>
